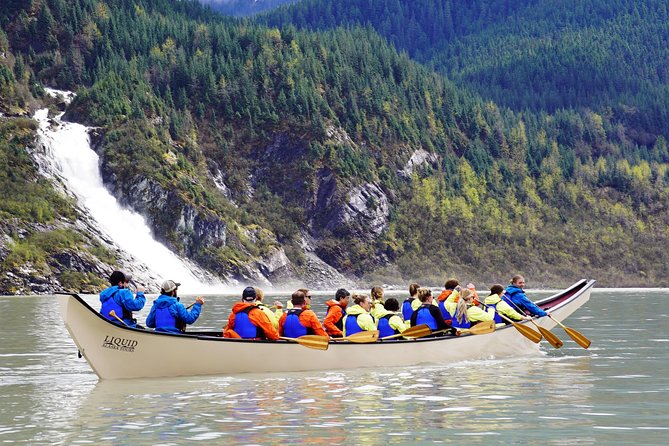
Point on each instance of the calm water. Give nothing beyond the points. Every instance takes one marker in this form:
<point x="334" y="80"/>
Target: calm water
<point x="613" y="393"/>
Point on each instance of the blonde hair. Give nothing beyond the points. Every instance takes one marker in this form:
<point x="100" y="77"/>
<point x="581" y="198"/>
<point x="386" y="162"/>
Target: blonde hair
<point x="259" y="294"/>
<point x="424" y="293"/>
<point x="461" y="309"/>
<point x="413" y="289"/>
<point x="377" y="293"/>
<point x="359" y="298"/>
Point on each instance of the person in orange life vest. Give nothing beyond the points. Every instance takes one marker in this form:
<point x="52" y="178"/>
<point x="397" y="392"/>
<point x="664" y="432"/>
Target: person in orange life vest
<point x="407" y="307"/>
<point x="428" y="313"/>
<point x="449" y="291"/>
<point x="300" y="321"/>
<point x="475" y="298"/>
<point x="273" y="316"/>
<point x="247" y="321"/>
<point x="334" y="316"/>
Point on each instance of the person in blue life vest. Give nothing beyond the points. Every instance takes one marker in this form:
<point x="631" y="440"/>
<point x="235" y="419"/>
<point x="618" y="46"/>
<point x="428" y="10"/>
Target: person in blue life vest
<point x="118" y="300"/>
<point x="357" y="317"/>
<point x="390" y="320"/>
<point x="467" y="313"/>
<point x="515" y="296"/>
<point x="428" y="313"/>
<point x="300" y="320"/>
<point x="407" y="308"/>
<point x="498" y="307"/>
<point x="168" y="314"/>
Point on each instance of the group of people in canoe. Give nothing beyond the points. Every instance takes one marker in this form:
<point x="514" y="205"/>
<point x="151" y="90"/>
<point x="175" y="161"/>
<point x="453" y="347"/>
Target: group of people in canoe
<point x="454" y="309"/>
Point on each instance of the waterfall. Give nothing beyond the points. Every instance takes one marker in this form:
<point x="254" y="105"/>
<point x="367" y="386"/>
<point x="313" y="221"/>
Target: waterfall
<point x="70" y="156"/>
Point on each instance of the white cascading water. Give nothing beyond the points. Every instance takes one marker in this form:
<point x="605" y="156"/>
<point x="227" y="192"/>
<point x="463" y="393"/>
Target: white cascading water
<point x="73" y="159"/>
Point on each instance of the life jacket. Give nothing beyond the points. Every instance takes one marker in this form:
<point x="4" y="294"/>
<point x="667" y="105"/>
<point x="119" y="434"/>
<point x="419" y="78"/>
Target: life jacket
<point x="244" y="327"/>
<point x="340" y="323"/>
<point x="384" y="326"/>
<point x="292" y="328"/>
<point x="498" y="319"/>
<point x="425" y="317"/>
<point x="457" y="324"/>
<point x="352" y="326"/>
<point x="165" y="320"/>
<point x="111" y="304"/>
<point x="444" y="312"/>
<point x="407" y="311"/>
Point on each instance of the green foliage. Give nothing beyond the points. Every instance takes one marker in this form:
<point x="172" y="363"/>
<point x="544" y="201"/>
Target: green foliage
<point x="37" y="247"/>
<point x="81" y="282"/>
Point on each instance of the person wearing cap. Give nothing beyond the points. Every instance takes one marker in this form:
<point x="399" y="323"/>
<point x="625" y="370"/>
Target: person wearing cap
<point x="300" y="320"/>
<point x="334" y="315"/>
<point x="515" y="296"/>
<point x="118" y="300"/>
<point x="247" y="321"/>
<point x="168" y="314"/>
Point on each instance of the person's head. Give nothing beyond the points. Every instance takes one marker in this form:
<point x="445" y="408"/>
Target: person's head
<point x="496" y="289"/>
<point x="451" y="284"/>
<point x="119" y="278"/>
<point x="307" y="296"/>
<point x="466" y="295"/>
<point x="424" y="294"/>
<point x="249" y="294"/>
<point x="259" y="294"/>
<point x="169" y="288"/>
<point x="299" y="299"/>
<point x="342" y="296"/>
<point x="391" y="304"/>
<point x="363" y="300"/>
<point x="377" y="293"/>
<point x="518" y="281"/>
<point x="413" y="289"/>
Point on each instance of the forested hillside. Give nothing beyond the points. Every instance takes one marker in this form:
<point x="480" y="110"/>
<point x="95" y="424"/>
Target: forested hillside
<point x="541" y="55"/>
<point x="240" y="8"/>
<point x="333" y="144"/>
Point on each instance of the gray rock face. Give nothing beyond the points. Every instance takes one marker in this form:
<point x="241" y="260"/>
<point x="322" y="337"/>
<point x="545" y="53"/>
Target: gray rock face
<point x="418" y="158"/>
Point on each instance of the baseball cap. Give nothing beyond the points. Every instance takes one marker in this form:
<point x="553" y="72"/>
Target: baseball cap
<point x="169" y="286"/>
<point x="249" y="294"/>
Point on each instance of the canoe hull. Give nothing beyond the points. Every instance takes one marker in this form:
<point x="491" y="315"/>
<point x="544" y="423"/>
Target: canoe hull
<point x="116" y="352"/>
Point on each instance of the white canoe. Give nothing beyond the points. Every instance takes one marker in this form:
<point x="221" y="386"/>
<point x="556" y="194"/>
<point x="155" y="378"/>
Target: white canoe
<point x="117" y="352"/>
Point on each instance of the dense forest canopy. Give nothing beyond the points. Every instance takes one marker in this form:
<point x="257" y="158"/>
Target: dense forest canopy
<point x="280" y="112"/>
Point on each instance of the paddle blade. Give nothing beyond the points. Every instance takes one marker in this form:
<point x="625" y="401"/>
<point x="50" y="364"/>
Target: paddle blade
<point x="550" y="337"/>
<point x="363" y="337"/>
<point x="483" y="328"/>
<point x="577" y="337"/>
<point x="528" y="332"/>
<point x="417" y="331"/>
<point x="312" y="341"/>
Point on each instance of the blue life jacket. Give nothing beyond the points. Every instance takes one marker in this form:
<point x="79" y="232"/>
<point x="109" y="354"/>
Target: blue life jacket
<point x="425" y="317"/>
<point x="165" y="321"/>
<point x="464" y="324"/>
<point x="292" y="328"/>
<point x="444" y="312"/>
<point x="498" y="319"/>
<point x="244" y="327"/>
<point x="352" y="326"/>
<point x="407" y="311"/>
<point x="384" y="326"/>
<point x="111" y="304"/>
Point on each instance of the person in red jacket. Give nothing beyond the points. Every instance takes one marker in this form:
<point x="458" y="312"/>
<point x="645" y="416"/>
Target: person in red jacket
<point x="300" y="320"/>
<point x="334" y="317"/>
<point x="247" y="321"/>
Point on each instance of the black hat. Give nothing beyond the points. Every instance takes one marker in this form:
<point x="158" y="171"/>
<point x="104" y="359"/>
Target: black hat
<point x="119" y="276"/>
<point x="249" y="294"/>
<point x="341" y="293"/>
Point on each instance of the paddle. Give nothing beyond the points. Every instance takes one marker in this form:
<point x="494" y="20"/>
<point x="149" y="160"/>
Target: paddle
<point x="417" y="331"/>
<point x="550" y="337"/>
<point x="113" y="314"/>
<point x="484" y="327"/>
<point x="575" y="335"/>
<point x="526" y="331"/>
<point x="362" y="337"/>
<point x="311" y="341"/>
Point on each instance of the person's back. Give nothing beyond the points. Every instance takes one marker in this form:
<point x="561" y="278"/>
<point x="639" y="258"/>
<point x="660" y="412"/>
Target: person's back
<point x="168" y="314"/>
<point x="389" y="322"/>
<point x="117" y="302"/>
<point x="428" y="313"/>
<point x="407" y="305"/>
<point x="247" y="321"/>
<point x="357" y="317"/>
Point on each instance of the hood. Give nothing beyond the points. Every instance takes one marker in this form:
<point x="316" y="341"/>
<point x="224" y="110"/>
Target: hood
<point x="107" y="293"/>
<point x="355" y="309"/>
<point x="492" y="299"/>
<point x="239" y="306"/>
<point x="334" y="303"/>
<point x="444" y="295"/>
<point x="513" y="289"/>
<point x="164" y="301"/>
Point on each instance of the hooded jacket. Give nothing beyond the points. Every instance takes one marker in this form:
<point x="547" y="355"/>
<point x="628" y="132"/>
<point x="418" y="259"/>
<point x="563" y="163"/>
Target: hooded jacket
<point x="122" y="302"/>
<point x="364" y="320"/>
<point x="520" y="301"/>
<point x="496" y="305"/>
<point x="256" y="316"/>
<point x="334" y="318"/>
<point x="168" y="314"/>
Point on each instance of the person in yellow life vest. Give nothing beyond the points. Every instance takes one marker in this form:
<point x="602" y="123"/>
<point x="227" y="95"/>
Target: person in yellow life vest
<point x="496" y="306"/>
<point x="377" y="302"/>
<point x="273" y="316"/>
<point x="357" y="317"/>
<point x="390" y="321"/>
<point x="466" y="313"/>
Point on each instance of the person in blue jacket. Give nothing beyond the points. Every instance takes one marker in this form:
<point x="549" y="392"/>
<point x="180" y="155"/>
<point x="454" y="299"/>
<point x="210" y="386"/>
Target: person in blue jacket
<point x="515" y="296"/>
<point x="118" y="300"/>
<point x="168" y="314"/>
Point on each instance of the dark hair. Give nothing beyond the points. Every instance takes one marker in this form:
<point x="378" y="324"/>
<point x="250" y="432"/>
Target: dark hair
<point x="391" y="304"/>
<point x="413" y="289"/>
<point x="451" y="284"/>
<point x="496" y="289"/>
<point x="341" y="294"/>
<point x="118" y="276"/>
<point x="298" y="298"/>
